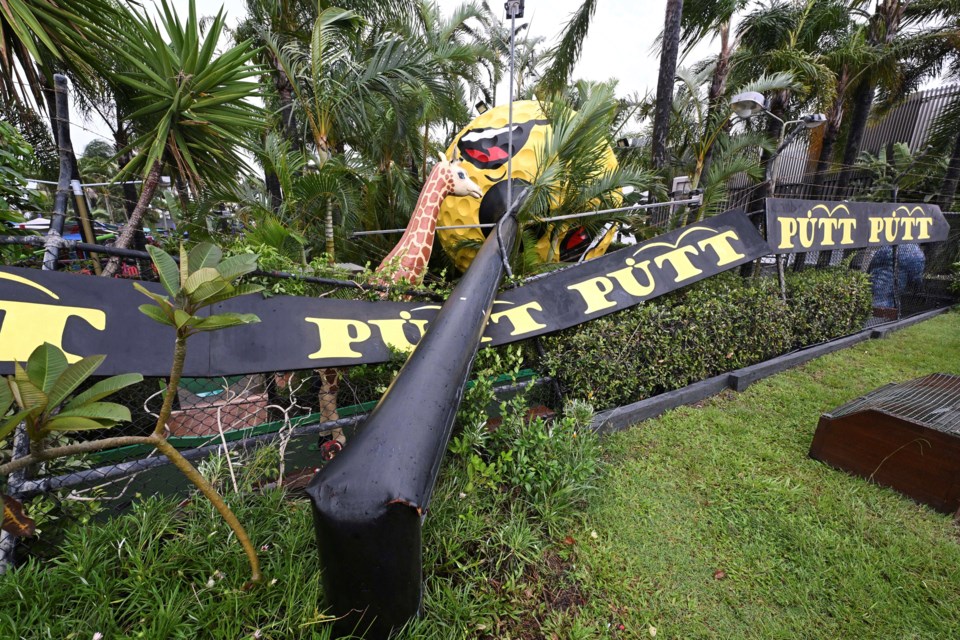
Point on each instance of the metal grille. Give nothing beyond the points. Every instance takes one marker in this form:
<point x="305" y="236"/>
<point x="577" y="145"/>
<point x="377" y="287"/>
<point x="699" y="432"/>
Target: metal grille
<point x="932" y="401"/>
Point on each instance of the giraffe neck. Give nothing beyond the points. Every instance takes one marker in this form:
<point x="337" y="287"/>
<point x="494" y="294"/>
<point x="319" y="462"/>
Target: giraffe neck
<point x="412" y="253"/>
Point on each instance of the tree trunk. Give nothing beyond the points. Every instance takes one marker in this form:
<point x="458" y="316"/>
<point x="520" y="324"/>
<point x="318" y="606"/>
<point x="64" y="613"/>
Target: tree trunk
<point x="136" y="218"/>
<point x="121" y="141"/>
<point x="862" y="102"/>
<point x="949" y="189"/>
<point x="328" y="231"/>
<point x="272" y="183"/>
<point x="665" y="82"/>
<point x="718" y="87"/>
<point x="830" y="135"/>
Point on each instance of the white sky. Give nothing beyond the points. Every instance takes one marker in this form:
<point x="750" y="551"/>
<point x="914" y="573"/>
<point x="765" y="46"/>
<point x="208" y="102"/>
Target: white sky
<point x="619" y="44"/>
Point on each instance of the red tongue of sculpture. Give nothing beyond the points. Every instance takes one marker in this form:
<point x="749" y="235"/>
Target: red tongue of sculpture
<point x="492" y="155"/>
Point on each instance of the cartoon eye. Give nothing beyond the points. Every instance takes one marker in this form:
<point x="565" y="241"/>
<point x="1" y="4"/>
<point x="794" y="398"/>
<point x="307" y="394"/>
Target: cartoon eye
<point x="462" y="175"/>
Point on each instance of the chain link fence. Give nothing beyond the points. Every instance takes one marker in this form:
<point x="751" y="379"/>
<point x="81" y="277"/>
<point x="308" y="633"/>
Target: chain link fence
<point x="306" y="414"/>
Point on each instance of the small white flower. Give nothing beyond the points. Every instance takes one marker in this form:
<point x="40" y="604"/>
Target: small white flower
<point x="98" y="636"/>
<point x="593" y="534"/>
<point x="653" y="631"/>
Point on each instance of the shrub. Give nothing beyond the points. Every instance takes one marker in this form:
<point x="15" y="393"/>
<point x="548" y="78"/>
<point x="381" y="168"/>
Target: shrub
<point x="827" y="304"/>
<point x="717" y="325"/>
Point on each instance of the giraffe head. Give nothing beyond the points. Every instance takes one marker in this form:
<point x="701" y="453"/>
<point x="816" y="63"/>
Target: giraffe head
<point x="458" y="182"/>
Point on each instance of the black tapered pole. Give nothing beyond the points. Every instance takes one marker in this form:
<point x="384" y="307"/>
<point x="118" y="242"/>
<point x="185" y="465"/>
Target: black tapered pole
<point x="369" y="502"/>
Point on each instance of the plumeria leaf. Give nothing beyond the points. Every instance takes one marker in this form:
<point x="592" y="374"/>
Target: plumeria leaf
<point x="167" y="268"/>
<point x="45" y="365"/>
<point x="104" y="388"/>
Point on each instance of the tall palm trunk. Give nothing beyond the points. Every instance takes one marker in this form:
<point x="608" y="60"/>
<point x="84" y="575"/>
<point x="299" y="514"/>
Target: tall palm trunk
<point x="884" y="28"/>
<point x="665" y="81"/>
<point x="136" y="218"/>
<point x="862" y="102"/>
<point x="830" y="134"/>
<point x="718" y="87"/>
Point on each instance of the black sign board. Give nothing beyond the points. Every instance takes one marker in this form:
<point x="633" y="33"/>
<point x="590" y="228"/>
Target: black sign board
<point x="86" y="315"/>
<point x="797" y="226"/>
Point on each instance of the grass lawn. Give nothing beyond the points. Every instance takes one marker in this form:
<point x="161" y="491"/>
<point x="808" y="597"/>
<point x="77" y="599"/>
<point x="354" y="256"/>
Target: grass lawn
<point x="712" y="522"/>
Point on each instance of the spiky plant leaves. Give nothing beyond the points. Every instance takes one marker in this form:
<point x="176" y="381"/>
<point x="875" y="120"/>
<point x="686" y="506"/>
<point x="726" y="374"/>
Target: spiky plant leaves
<point x="190" y="104"/>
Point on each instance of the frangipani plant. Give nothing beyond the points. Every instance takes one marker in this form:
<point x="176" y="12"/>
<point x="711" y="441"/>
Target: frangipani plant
<point x="38" y="390"/>
<point x="38" y="395"/>
<point x="202" y="279"/>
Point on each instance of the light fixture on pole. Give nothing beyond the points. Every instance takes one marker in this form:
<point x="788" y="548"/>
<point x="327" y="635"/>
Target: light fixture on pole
<point x="808" y="122"/>
<point x="748" y="104"/>
<point x="514" y="8"/>
<point x="481" y="107"/>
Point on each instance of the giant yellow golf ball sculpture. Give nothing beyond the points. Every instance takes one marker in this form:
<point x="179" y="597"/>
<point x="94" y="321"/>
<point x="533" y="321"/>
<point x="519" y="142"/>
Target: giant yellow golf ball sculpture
<point x="484" y="149"/>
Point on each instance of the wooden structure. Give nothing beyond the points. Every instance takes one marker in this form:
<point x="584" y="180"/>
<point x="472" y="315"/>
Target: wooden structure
<point x="904" y="436"/>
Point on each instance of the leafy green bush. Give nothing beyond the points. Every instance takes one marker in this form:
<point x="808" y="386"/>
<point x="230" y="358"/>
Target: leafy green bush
<point x="827" y="303"/>
<point x="717" y="325"/>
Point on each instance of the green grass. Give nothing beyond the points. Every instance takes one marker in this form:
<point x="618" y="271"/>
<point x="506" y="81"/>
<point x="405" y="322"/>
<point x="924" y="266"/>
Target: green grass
<point x="805" y="551"/>
<point x="710" y="522"/>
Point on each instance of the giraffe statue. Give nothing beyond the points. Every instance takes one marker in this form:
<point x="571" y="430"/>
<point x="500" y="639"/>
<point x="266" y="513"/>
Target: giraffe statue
<point x="411" y="255"/>
<point x="406" y="263"/>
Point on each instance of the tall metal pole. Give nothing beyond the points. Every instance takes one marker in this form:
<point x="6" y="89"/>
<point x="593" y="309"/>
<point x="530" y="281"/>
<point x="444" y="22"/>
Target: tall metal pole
<point x="62" y="198"/>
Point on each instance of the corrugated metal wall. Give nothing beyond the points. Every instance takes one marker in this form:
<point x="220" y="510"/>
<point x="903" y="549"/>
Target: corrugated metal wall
<point x="909" y="122"/>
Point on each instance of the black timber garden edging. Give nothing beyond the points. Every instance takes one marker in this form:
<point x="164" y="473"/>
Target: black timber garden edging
<point x="621" y="418"/>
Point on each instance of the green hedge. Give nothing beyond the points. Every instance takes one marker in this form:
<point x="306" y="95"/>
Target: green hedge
<point x="720" y="324"/>
<point x="828" y="304"/>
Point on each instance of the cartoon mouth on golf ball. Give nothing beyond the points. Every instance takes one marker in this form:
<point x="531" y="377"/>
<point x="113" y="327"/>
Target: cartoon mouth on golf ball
<point x="484" y="149"/>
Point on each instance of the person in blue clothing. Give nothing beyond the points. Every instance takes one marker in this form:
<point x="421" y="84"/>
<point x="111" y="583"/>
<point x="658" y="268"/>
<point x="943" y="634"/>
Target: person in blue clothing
<point x="910" y="272"/>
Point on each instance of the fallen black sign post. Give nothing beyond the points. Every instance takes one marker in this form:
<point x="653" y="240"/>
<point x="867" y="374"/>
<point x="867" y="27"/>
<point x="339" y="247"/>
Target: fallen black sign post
<point x="369" y="502"/>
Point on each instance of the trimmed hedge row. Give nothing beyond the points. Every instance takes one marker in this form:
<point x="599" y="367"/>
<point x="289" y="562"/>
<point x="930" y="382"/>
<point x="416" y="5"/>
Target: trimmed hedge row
<point x="718" y="325"/>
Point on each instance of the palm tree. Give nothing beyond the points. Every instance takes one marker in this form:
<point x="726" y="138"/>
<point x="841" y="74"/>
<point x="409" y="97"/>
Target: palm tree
<point x="360" y="81"/>
<point x="187" y="104"/>
<point x="564" y="55"/>
<point x="460" y="53"/>
<point x="574" y="173"/>
<point x="701" y="140"/>
<point x="40" y="36"/>
<point x="669" y="49"/>
<point x="702" y="18"/>
<point x="97" y="163"/>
